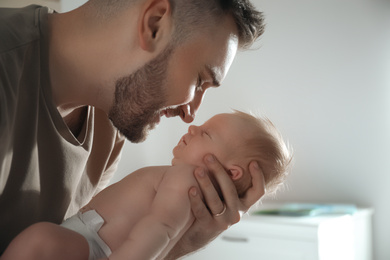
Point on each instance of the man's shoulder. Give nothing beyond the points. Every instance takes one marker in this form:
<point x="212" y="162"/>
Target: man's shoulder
<point x="18" y="26"/>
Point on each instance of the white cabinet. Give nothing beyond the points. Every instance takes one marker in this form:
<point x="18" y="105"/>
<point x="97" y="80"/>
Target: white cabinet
<point x="330" y="237"/>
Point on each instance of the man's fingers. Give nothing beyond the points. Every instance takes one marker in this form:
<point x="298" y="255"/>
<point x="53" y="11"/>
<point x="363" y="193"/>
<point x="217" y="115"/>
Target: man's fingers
<point x="229" y="191"/>
<point x="231" y="214"/>
<point x="257" y="190"/>
<point x="209" y="192"/>
<point x="198" y="207"/>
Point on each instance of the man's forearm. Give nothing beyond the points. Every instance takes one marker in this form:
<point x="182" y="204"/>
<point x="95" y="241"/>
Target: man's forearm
<point x="186" y="246"/>
<point x="176" y="253"/>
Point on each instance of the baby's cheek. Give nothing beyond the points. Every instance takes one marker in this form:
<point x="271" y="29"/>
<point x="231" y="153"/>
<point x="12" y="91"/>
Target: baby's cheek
<point x="196" y="158"/>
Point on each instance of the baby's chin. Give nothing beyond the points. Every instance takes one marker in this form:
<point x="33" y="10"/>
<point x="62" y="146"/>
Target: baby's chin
<point x="176" y="161"/>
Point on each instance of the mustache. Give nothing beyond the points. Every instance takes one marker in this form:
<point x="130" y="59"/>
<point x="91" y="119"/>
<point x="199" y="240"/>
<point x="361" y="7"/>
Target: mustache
<point x="172" y="112"/>
<point x="181" y="111"/>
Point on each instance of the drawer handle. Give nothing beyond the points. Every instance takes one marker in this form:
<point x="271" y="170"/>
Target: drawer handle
<point x="235" y="239"/>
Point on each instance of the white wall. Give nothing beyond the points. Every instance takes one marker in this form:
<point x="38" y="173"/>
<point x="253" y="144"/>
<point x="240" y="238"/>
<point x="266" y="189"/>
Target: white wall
<point x="67" y="5"/>
<point x="322" y="74"/>
<point x="55" y="4"/>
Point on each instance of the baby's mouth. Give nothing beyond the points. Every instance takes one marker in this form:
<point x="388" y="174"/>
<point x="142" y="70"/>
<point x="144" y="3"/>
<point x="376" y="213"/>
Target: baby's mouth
<point x="183" y="140"/>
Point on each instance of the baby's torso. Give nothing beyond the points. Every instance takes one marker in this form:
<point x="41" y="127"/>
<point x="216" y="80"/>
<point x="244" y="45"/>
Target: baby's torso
<point x="123" y="204"/>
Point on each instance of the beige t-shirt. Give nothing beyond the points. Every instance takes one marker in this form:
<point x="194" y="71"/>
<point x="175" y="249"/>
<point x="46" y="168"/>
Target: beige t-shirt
<point x="46" y="173"/>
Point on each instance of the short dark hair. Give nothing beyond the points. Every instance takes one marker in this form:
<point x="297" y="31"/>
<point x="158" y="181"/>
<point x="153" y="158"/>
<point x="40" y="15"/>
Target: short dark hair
<point x="190" y="15"/>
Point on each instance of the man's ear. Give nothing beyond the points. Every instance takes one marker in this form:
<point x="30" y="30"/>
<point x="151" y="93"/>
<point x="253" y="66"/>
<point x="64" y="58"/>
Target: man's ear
<point x="154" y="24"/>
<point x="235" y="172"/>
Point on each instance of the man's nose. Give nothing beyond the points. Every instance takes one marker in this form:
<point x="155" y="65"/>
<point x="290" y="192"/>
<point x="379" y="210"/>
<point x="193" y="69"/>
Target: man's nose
<point x="186" y="114"/>
<point x="188" y="111"/>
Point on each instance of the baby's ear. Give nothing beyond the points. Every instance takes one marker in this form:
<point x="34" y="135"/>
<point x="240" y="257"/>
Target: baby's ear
<point x="235" y="172"/>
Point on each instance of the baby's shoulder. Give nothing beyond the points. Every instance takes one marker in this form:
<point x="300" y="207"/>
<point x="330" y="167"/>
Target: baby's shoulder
<point x="150" y="174"/>
<point x="151" y="170"/>
<point x="177" y="180"/>
<point x="181" y="174"/>
<point x="182" y="169"/>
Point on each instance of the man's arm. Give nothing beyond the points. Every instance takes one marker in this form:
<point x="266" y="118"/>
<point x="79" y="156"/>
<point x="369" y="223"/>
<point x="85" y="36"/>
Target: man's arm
<point x="207" y="226"/>
<point x="169" y="214"/>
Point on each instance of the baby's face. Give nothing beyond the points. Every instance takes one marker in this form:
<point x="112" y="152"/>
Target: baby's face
<point x="221" y="136"/>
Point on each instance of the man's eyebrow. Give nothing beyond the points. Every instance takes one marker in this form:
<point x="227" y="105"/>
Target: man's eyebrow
<point x="213" y="75"/>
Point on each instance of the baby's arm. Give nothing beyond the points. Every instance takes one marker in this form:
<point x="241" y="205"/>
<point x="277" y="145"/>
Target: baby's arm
<point x="170" y="212"/>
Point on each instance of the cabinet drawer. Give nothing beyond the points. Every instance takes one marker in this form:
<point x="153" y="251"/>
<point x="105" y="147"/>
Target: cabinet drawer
<point x="331" y="237"/>
<point x="229" y="247"/>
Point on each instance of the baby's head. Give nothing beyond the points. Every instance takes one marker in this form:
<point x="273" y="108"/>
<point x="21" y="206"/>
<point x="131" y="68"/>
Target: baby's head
<point x="262" y="143"/>
<point x="237" y="139"/>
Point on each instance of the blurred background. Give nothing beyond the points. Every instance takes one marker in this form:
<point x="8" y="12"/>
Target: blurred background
<point x="321" y="73"/>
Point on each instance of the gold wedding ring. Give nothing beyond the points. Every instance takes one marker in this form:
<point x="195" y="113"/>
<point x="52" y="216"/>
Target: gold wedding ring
<point x="221" y="213"/>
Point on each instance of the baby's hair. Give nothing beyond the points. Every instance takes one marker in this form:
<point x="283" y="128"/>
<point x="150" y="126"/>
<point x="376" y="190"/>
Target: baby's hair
<point x="266" y="146"/>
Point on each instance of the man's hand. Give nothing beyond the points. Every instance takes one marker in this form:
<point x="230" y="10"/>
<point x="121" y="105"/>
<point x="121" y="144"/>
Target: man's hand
<point x="213" y="219"/>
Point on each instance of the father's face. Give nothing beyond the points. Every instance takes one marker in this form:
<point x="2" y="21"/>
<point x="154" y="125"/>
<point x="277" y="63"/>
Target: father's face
<point x="174" y="82"/>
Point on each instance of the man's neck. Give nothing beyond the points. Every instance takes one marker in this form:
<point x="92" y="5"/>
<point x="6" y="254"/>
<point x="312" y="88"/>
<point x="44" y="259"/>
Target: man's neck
<point x="66" y="78"/>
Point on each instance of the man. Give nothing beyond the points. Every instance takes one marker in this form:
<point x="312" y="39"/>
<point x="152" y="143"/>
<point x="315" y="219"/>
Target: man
<point x="73" y="84"/>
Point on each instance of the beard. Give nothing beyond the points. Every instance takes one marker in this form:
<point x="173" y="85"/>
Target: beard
<point x="140" y="97"/>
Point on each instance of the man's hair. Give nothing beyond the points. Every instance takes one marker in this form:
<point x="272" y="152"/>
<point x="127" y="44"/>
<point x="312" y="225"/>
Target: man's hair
<point x="266" y="146"/>
<point x="190" y="16"/>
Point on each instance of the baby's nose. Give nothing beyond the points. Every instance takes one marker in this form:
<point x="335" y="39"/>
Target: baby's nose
<point x="192" y="129"/>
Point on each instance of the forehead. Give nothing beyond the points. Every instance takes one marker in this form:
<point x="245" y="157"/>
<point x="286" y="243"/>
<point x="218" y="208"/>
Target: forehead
<point x="227" y="125"/>
<point x="231" y="134"/>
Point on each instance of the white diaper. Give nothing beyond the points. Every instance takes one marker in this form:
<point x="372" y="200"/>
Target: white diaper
<point x="88" y="224"/>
